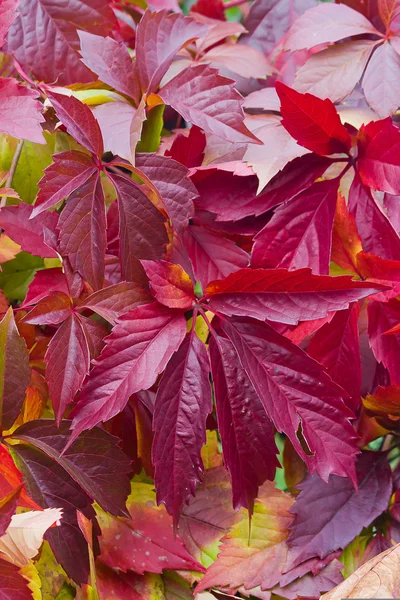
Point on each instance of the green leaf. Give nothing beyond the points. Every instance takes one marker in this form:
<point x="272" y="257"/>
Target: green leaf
<point x="17" y="274"/>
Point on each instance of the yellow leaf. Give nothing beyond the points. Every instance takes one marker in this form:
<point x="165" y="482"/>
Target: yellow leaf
<point x="51" y="573"/>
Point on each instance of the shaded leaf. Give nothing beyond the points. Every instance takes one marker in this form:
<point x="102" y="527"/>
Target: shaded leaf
<point x="14" y="370"/>
<point x="247" y="434"/>
<point x="183" y="402"/>
<point x="8" y="506"/>
<point x="170" y="284"/>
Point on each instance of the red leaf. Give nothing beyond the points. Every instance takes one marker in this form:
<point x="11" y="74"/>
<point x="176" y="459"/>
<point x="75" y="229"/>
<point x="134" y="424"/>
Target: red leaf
<point x="110" y="60"/>
<point x="159" y="37"/>
<point x="141" y="228"/>
<point x="327" y="23"/>
<point x="313" y="122"/>
<point x="8" y="10"/>
<point x="44" y="37"/>
<point x="300" y="231"/>
<point x="136" y="352"/>
<point x="379" y="156"/>
<point x="171" y="180"/>
<point x="268" y="22"/>
<point x="29" y="232"/>
<point x="299" y="397"/>
<point x="182" y="404"/>
<point x="334" y="72"/>
<point x="336" y="346"/>
<point x="69" y="171"/>
<point x="12" y="585"/>
<point x="317" y="532"/>
<point x="376" y="232"/>
<point x="20" y="112"/>
<point x="170" y="284"/>
<point x="115" y="300"/>
<point x="79" y="121"/>
<point x="381" y="80"/>
<point x="42" y="282"/>
<point x="95" y="461"/>
<point x="285" y="296"/>
<point x="146" y="541"/>
<point x="82" y="226"/>
<point x="8" y="506"/>
<point x="67" y="364"/>
<point x="206" y="99"/>
<point x="51" y="310"/>
<point x="247" y="434"/>
<point x="346" y="242"/>
<point x="386" y="348"/>
<point x="188" y="150"/>
<point x="14" y="370"/>
<point x="212" y="255"/>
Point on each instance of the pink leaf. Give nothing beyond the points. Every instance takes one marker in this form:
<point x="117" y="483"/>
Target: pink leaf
<point x="381" y="82"/>
<point x="20" y="112"/>
<point x="386" y="348"/>
<point x="44" y="37"/>
<point x="110" y="60"/>
<point x="159" y="38"/>
<point x="82" y="227"/>
<point x="208" y="100"/>
<point x="8" y="11"/>
<point x="136" y="352"/>
<point x="79" y="121"/>
<point x="182" y="404"/>
<point x="327" y="23"/>
<point x="67" y="364"/>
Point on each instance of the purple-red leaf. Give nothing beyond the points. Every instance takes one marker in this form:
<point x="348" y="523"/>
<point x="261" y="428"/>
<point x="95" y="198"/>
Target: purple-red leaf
<point x="376" y="232"/>
<point x="328" y="516"/>
<point x="313" y="122"/>
<point x="206" y="99"/>
<point x="67" y="364"/>
<point x="336" y="346"/>
<point x="14" y="370"/>
<point x="44" y="37"/>
<point x="169" y="283"/>
<point x="94" y="461"/>
<point x="82" y="227"/>
<point x="8" y="506"/>
<point x="136" y="352"/>
<point x="285" y="296"/>
<point x="247" y="434"/>
<point x="69" y="171"/>
<point x="29" y="232"/>
<point x="115" y="300"/>
<point x="171" y="181"/>
<point x="20" y="112"/>
<point x="300" y="231"/>
<point x="141" y="228"/>
<point x="299" y="397"/>
<point x="79" y="121"/>
<point x="159" y="38"/>
<point x="13" y="586"/>
<point x="212" y="255"/>
<point x="182" y="404"/>
<point x="110" y="60"/>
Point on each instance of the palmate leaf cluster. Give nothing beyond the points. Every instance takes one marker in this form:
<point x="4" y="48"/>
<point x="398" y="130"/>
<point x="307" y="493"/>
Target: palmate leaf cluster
<point x="199" y="299"/>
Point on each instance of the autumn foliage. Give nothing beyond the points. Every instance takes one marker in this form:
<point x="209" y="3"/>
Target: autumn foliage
<point x="199" y="299"/>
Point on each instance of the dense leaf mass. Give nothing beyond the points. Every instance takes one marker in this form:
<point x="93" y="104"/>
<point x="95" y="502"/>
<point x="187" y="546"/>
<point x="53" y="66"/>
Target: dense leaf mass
<point x="199" y="299"/>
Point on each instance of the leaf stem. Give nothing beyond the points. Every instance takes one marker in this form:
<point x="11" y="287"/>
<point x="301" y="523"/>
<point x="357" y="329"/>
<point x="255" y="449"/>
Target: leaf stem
<point x="233" y="3"/>
<point x="13" y="167"/>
